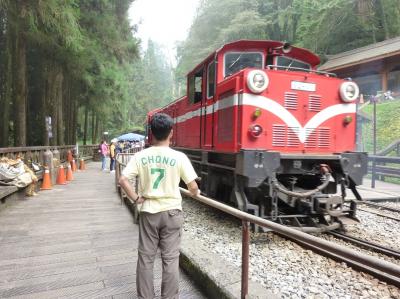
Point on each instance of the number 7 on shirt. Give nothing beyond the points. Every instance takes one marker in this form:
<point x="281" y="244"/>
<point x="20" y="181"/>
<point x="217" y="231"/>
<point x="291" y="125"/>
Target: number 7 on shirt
<point x="161" y="175"/>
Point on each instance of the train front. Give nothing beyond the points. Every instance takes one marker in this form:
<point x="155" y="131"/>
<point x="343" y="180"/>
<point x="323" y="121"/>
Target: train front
<point x="297" y="141"/>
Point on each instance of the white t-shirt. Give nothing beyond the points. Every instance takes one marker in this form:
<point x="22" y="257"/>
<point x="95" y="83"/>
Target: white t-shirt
<point x="160" y="170"/>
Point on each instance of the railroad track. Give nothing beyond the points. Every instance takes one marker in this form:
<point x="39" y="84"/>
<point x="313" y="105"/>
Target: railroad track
<point x="381" y="207"/>
<point x="388" y="275"/>
<point x="381" y="269"/>
<point x="378" y="210"/>
<point x="367" y="245"/>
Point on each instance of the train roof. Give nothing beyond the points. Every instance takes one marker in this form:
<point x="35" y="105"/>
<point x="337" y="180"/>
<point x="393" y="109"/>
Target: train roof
<point x="243" y="44"/>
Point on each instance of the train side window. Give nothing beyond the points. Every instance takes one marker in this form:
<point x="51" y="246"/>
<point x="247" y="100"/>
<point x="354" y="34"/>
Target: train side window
<point x="195" y="85"/>
<point x="210" y="80"/>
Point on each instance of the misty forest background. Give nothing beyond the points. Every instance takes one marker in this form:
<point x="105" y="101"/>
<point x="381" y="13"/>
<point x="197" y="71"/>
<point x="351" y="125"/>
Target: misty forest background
<point x="79" y="61"/>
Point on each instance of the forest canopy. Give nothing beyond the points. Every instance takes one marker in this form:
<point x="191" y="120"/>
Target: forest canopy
<point x="77" y="61"/>
<point x="324" y="26"/>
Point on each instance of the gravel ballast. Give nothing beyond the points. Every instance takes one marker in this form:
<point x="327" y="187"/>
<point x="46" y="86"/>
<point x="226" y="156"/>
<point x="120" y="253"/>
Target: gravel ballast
<point x="280" y="265"/>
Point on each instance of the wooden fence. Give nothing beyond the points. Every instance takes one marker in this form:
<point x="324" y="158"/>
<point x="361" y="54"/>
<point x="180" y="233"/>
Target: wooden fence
<point x="35" y="154"/>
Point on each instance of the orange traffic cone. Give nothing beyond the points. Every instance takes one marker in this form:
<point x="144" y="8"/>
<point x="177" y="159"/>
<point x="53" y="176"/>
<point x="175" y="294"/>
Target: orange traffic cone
<point x="70" y="177"/>
<point x="73" y="165"/>
<point x="61" y="180"/>
<point x="82" y="165"/>
<point x="69" y="156"/>
<point x="46" y="184"/>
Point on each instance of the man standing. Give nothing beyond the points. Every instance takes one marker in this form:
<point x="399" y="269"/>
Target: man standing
<point x="160" y="170"/>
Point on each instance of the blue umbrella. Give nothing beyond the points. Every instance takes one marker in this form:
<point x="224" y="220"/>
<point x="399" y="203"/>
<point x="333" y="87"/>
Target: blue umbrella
<point x="130" y="137"/>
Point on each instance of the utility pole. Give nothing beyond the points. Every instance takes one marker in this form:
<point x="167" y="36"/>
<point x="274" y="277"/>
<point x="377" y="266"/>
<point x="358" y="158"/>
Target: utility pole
<point x="374" y="142"/>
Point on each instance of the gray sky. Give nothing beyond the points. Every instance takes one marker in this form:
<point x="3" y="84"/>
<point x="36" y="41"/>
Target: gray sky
<point x="164" y="21"/>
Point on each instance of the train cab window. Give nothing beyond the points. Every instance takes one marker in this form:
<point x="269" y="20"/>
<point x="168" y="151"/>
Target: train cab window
<point x="291" y="64"/>
<point x="195" y="85"/>
<point x="210" y="80"/>
<point x="236" y="61"/>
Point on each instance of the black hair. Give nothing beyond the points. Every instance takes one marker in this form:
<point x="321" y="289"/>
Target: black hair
<point x="161" y="126"/>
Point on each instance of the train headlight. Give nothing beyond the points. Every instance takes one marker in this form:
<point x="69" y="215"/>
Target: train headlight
<point x="255" y="130"/>
<point x="257" y="81"/>
<point x="349" y="91"/>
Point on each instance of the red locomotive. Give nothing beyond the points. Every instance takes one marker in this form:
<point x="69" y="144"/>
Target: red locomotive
<point x="270" y="134"/>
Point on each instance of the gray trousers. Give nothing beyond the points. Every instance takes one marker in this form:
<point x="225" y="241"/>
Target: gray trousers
<point x="159" y="230"/>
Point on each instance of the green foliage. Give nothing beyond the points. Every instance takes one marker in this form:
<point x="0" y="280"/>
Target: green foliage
<point x="388" y="124"/>
<point x="326" y="27"/>
<point x="152" y="83"/>
<point x="82" y="57"/>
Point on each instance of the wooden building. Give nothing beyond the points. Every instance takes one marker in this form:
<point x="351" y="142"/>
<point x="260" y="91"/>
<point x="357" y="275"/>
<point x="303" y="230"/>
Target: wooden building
<point x="375" y="68"/>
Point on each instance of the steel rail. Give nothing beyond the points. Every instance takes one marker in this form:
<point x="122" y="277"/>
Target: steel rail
<point x="366" y="244"/>
<point x="379" y="214"/>
<point x="382" y="269"/>
<point x="383" y="207"/>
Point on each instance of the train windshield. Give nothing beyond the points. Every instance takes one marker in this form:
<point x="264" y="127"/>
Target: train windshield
<point x="291" y="64"/>
<point x="236" y="61"/>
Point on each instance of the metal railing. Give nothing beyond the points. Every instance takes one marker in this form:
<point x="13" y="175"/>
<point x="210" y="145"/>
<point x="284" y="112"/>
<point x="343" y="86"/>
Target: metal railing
<point x="394" y="146"/>
<point x="389" y="269"/>
<point x="381" y="167"/>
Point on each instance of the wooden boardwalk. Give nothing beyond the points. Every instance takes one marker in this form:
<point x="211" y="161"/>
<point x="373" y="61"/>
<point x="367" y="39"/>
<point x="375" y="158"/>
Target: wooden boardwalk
<point x="75" y="241"/>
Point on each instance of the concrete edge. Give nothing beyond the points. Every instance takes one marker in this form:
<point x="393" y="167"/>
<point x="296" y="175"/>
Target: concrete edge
<point x="214" y="276"/>
<point x="207" y="284"/>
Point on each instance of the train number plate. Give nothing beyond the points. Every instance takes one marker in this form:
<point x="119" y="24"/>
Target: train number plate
<point x="297" y="85"/>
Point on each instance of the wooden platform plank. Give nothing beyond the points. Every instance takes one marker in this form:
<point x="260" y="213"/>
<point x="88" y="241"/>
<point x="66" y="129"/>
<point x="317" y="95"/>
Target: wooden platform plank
<point x="75" y="241"/>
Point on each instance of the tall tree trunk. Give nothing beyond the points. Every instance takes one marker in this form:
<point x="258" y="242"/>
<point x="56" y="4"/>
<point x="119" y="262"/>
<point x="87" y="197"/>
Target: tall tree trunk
<point x="382" y="12"/>
<point x="52" y="101"/>
<point x="20" y="76"/>
<point x="6" y="84"/>
<point x="93" y="127"/>
<point x="59" y="101"/>
<point x="85" y="126"/>
<point x="70" y="115"/>
<point x="45" y="105"/>
<point x="66" y="106"/>
<point x="74" y="120"/>
<point x="96" y="130"/>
